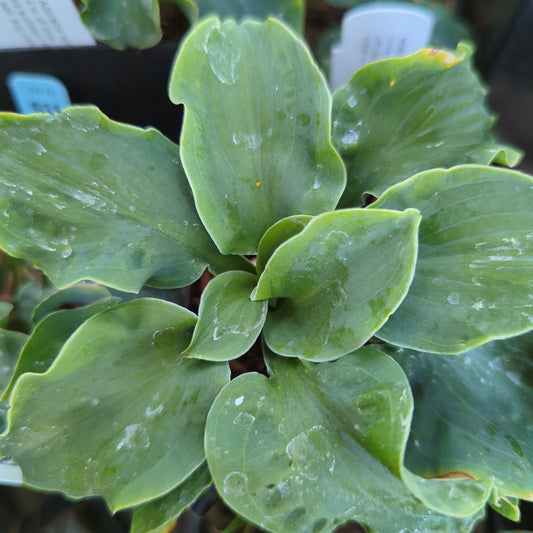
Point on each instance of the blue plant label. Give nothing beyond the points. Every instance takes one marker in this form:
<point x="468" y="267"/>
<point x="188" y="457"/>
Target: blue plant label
<point x="377" y="31"/>
<point x="37" y="93"/>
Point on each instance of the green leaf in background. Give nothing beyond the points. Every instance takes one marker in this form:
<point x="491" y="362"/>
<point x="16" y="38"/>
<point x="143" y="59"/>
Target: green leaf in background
<point x="121" y="24"/>
<point x="94" y="214"/>
<point x="337" y="281"/>
<point x="5" y="309"/>
<point x="101" y="435"/>
<point x="291" y="11"/>
<point x="149" y="517"/>
<point x="400" y="116"/>
<point x="263" y="152"/>
<point x="48" y="337"/>
<point x="189" y="7"/>
<point x="473" y="413"/>
<point x="77" y="295"/>
<point x="229" y="322"/>
<point x="310" y="469"/>
<point x="277" y="235"/>
<point x="473" y="280"/>
<point x="11" y="343"/>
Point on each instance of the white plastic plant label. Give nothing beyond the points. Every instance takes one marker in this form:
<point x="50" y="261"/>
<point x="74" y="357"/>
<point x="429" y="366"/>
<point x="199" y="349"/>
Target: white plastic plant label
<point x="376" y="31"/>
<point x="41" y="23"/>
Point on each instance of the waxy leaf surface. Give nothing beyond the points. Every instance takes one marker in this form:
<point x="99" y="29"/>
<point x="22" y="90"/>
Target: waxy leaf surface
<point x="255" y="142"/>
<point x="122" y="24"/>
<point x="337" y="281"/>
<point x="474" y="413"/>
<point x="229" y="322"/>
<point x="150" y="516"/>
<point x="83" y="197"/>
<point x="317" y="445"/>
<point x="48" y="337"/>
<point x="400" y="116"/>
<point x="120" y="413"/>
<point x="473" y="280"/>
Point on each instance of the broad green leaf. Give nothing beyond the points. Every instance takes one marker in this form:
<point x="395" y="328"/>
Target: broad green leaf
<point x="292" y="11"/>
<point x="48" y="337"/>
<point x="337" y="281"/>
<point x="316" y="445"/>
<point x="255" y="142"/>
<point x="120" y="413"/>
<point x="11" y="343"/>
<point x="121" y="24"/>
<point x="76" y="296"/>
<point x="473" y="279"/>
<point x="83" y="197"/>
<point x="5" y="309"/>
<point x="473" y="414"/>
<point x="229" y="322"/>
<point x="277" y="235"/>
<point x="400" y="116"/>
<point x="149" y="517"/>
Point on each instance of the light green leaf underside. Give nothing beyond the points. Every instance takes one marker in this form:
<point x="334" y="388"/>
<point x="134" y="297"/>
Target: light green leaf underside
<point x="229" y="322"/>
<point x="505" y="505"/>
<point x="149" y="517"/>
<point x="473" y="413"/>
<point x="473" y="279"/>
<point x="263" y="151"/>
<point x="121" y="24"/>
<point x="11" y="343"/>
<point x="292" y="11"/>
<point x="277" y="235"/>
<point x="308" y="449"/>
<point x="83" y="197"/>
<point x="401" y="116"/>
<point x="83" y="429"/>
<point x="77" y="295"/>
<point x="48" y="337"/>
<point x="337" y="281"/>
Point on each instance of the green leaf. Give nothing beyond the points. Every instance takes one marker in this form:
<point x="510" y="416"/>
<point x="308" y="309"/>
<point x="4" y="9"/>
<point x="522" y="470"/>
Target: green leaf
<point x="74" y="204"/>
<point x="11" y="343"/>
<point x="292" y="11"/>
<point x="316" y="445"/>
<point x="5" y="309"/>
<point x="277" y="235"/>
<point x="255" y="142"/>
<point x="229" y="322"/>
<point x="121" y="24"/>
<point x="120" y="413"/>
<point x="473" y="414"/>
<point x="473" y="278"/>
<point x="400" y="116"/>
<point x="505" y="505"/>
<point x="78" y="295"/>
<point x="48" y="337"/>
<point x="149" y="517"/>
<point x="338" y="280"/>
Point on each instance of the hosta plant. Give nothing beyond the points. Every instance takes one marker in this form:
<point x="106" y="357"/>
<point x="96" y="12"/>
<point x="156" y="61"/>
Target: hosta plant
<point x="359" y="242"/>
